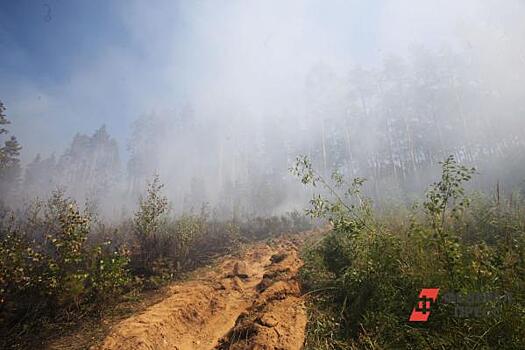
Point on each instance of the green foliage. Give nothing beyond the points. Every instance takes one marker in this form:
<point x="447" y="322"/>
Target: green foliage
<point x="449" y="189"/>
<point x="58" y="262"/>
<point x="148" y="221"/>
<point x="188" y="228"/>
<point x="348" y="211"/>
<point x="164" y="244"/>
<point x="9" y="159"/>
<point x="109" y="272"/>
<point x="367" y="272"/>
<point x="448" y="195"/>
<point x="49" y="269"/>
<point x="152" y="209"/>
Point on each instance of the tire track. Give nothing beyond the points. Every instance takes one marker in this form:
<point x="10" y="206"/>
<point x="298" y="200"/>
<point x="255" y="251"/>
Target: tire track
<point x="251" y="302"/>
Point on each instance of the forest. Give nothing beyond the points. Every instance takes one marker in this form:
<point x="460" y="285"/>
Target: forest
<point x="415" y="113"/>
<point x="314" y="198"/>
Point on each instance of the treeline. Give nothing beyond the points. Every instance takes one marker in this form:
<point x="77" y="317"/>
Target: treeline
<point x="88" y="168"/>
<point x="391" y="123"/>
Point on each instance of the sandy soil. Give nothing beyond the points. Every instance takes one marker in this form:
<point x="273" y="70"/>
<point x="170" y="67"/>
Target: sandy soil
<point x="248" y="302"/>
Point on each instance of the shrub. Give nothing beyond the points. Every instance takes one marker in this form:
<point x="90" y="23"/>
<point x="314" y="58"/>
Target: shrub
<point x="148" y="221"/>
<point x="368" y="270"/>
<point x="49" y="269"/>
<point x="58" y="262"/>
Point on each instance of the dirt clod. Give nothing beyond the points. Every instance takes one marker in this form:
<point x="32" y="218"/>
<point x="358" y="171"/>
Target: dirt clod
<point x="268" y="320"/>
<point x="240" y="269"/>
<point x="277" y="258"/>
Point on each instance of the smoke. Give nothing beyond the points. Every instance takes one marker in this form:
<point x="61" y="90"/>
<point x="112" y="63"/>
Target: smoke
<point x="219" y="96"/>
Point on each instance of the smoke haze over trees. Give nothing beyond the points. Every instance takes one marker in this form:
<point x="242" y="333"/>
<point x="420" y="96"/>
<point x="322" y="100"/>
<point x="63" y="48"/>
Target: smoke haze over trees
<point x="142" y="140"/>
<point x="219" y="106"/>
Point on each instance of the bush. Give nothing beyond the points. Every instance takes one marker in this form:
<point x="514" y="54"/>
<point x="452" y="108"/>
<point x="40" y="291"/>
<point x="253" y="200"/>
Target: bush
<point x="58" y="262"/>
<point x="368" y="271"/>
<point x="48" y="267"/>
<point x="149" y="220"/>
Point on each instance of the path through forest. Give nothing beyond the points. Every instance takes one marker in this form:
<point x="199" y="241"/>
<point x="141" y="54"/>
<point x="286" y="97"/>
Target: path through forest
<point x="247" y="302"/>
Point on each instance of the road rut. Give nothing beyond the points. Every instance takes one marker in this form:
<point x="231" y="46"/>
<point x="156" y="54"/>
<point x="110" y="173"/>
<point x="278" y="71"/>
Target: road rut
<point x="247" y="302"/>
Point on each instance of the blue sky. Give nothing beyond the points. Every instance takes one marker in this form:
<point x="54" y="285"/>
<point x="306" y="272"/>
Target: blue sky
<point x="68" y="66"/>
<point x="45" y="39"/>
<point x="50" y="49"/>
<point x="71" y="66"/>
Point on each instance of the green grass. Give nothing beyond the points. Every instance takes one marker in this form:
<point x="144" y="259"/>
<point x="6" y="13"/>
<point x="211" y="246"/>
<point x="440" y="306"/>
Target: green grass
<point x="363" y="278"/>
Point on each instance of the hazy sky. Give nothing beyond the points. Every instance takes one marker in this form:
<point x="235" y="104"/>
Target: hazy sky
<point x="71" y="66"/>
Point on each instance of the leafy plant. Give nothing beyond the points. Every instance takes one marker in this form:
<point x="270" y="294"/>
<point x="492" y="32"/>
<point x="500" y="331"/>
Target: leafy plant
<point x="367" y="271"/>
<point x="148" y="220"/>
<point x="448" y="195"/>
<point x="50" y="270"/>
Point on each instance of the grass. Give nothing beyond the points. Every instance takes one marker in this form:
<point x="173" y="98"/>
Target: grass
<point x="363" y="278"/>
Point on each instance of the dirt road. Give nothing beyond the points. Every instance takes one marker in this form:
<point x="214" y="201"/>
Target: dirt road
<point x="247" y="302"/>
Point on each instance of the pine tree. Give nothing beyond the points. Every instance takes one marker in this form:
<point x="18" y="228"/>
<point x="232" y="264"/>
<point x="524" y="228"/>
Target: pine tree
<point x="9" y="158"/>
<point x="90" y="166"/>
<point x="40" y="177"/>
